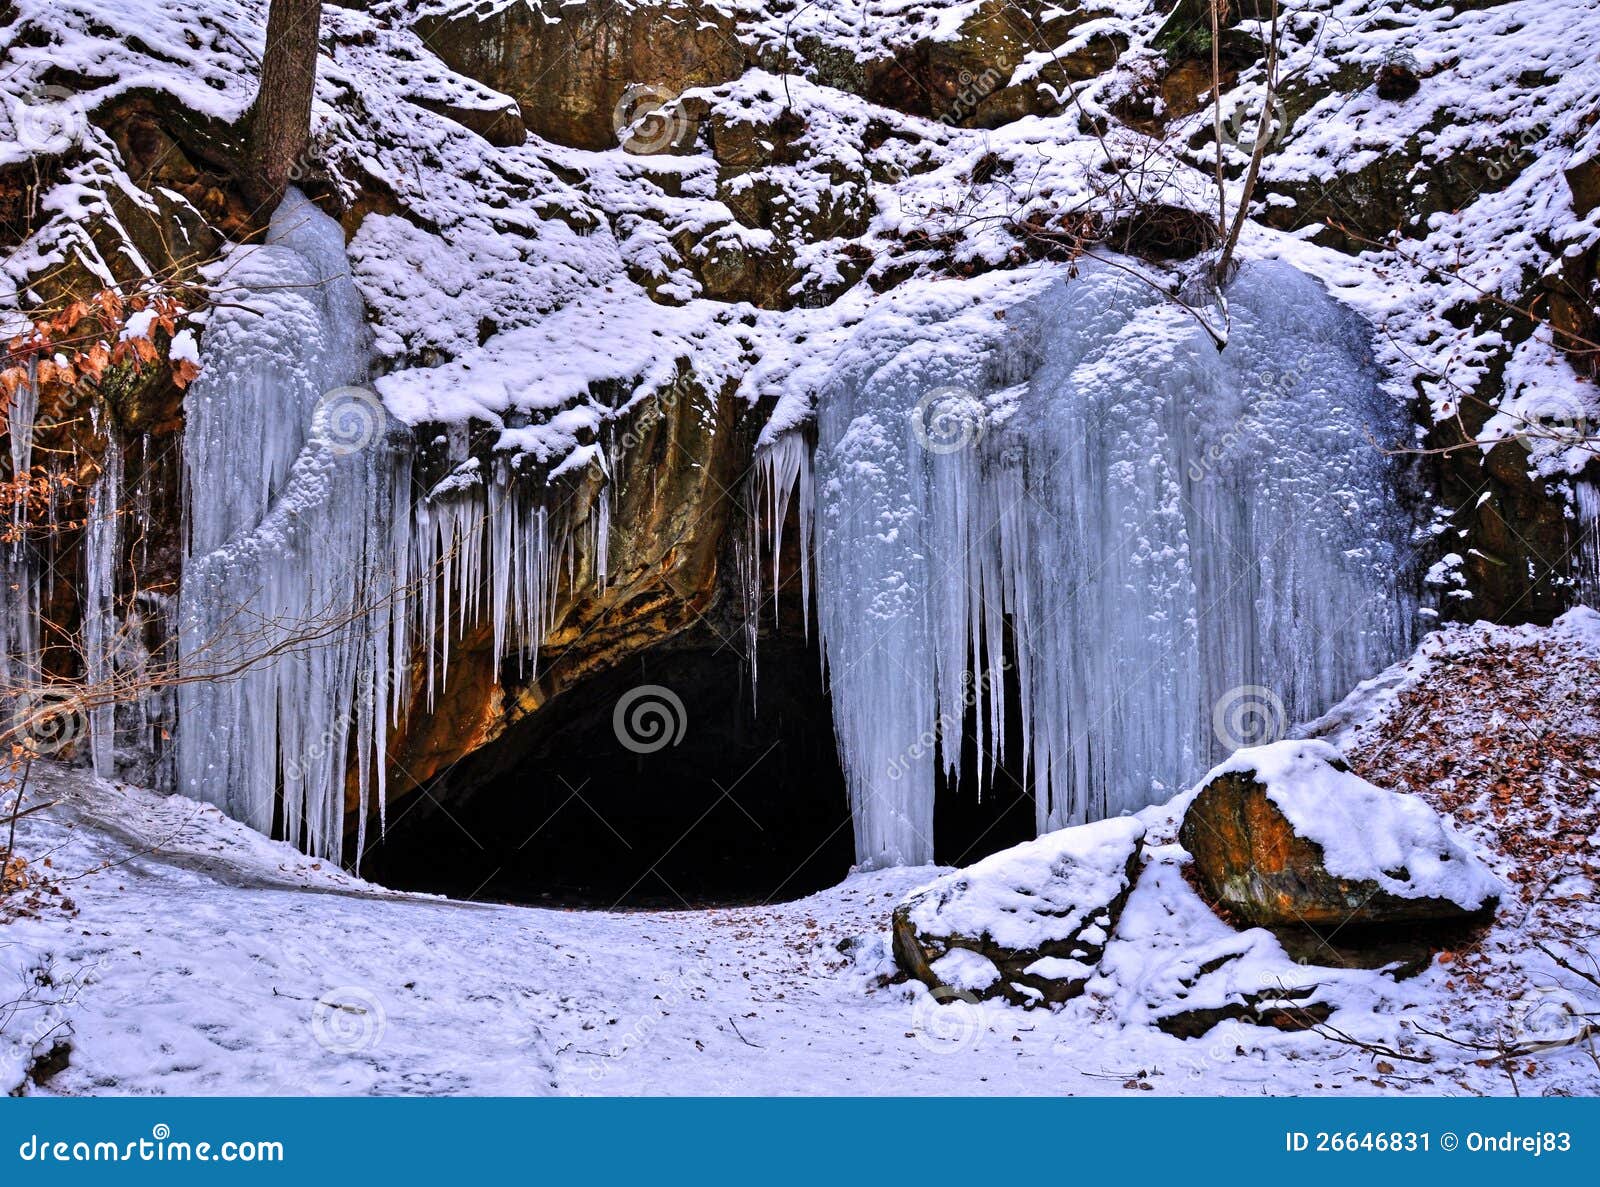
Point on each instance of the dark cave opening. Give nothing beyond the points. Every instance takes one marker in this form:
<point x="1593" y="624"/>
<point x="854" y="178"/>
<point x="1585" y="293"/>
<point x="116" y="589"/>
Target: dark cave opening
<point x="990" y="806"/>
<point x="666" y="783"/>
<point x="649" y="785"/>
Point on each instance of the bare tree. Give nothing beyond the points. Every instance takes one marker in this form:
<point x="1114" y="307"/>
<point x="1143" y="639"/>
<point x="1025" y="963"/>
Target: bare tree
<point x="280" y="118"/>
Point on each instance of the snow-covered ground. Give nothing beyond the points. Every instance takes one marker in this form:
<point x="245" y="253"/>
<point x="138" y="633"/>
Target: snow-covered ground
<point x="186" y="954"/>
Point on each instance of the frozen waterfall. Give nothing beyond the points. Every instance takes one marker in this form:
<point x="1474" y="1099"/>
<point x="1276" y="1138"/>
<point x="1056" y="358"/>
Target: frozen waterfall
<point x="314" y="578"/>
<point x="287" y="597"/>
<point x="1164" y="551"/>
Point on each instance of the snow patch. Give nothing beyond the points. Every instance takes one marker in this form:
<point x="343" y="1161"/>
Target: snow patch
<point x="1047" y="889"/>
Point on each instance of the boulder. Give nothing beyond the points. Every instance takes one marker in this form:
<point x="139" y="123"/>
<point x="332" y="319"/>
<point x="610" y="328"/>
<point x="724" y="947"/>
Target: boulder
<point x="1285" y="836"/>
<point x="1247" y="979"/>
<point x="1027" y="924"/>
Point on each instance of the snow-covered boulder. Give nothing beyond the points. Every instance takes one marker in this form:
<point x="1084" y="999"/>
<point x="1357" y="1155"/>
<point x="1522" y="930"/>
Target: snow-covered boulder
<point x="1286" y="835"/>
<point x="1028" y="923"/>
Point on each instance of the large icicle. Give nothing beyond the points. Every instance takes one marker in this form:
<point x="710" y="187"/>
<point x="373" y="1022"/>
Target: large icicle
<point x="287" y="595"/>
<point x="99" y="600"/>
<point x="1185" y="545"/>
<point x="1586" y="550"/>
<point x="308" y="576"/>
<point x="19" y="575"/>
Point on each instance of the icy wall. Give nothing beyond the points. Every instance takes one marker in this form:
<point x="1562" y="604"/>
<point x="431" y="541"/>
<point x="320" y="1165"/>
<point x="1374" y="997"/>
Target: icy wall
<point x="314" y="573"/>
<point x="1193" y="548"/>
<point x="287" y="597"/>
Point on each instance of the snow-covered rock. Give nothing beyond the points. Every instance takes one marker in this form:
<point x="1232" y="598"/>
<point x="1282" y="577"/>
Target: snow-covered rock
<point x="1285" y="835"/>
<point x="1028" y="923"/>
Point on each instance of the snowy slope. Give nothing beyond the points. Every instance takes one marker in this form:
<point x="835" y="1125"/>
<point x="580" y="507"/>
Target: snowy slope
<point x="198" y="957"/>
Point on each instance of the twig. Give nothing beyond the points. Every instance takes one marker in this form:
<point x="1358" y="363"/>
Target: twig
<point x="16" y="813"/>
<point x="1569" y="966"/>
<point x="740" y="1033"/>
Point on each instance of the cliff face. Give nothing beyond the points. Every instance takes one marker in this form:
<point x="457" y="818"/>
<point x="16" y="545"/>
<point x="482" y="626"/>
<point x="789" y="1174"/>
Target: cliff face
<point x="630" y="321"/>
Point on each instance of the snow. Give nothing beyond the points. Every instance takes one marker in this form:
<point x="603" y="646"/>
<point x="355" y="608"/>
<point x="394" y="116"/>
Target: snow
<point x="1366" y="833"/>
<point x="1174" y="955"/>
<point x="1354" y="722"/>
<point x="513" y="287"/>
<point x="196" y="956"/>
<point x="963" y="969"/>
<point x="199" y="957"/>
<point x="500" y="240"/>
<point x="1051" y="888"/>
<point x="1505" y="105"/>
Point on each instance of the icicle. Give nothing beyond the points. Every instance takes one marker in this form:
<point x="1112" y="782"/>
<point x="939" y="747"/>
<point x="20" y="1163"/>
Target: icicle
<point x="1586" y="553"/>
<point x="1180" y="543"/>
<point x="19" y="575"/>
<point x="99" y="600"/>
<point x="289" y="495"/>
<point x="780" y="473"/>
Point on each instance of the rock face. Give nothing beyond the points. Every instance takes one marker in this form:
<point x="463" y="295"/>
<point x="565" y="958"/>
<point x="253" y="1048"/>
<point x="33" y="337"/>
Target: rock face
<point x="669" y="522"/>
<point x="1028" y="924"/>
<point x="575" y="67"/>
<point x="966" y="80"/>
<point x="1285" y="836"/>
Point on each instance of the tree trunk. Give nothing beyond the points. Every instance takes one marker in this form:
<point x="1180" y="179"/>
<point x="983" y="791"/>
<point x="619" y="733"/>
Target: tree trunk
<point x="280" y="119"/>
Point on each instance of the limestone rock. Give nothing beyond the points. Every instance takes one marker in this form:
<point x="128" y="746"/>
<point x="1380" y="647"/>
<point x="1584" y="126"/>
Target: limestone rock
<point x="967" y="80"/>
<point x="1028" y="923"/>
<point x="501" y="126"/>
<point x="583" y="72"/>
<point x="1285" y="836"/>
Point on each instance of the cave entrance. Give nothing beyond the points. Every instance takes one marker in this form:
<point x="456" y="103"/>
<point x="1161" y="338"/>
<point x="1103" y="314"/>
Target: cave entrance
<point x="590" y="804"/>
<point x="990" y="805"/>
<point x="667" y="783"/>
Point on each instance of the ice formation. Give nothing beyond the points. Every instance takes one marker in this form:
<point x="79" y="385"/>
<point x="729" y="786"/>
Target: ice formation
<point x="99" y="602"/>
<point x="1165" y="551"/>
<point x="286" y="595"/>
<point x="19" y="576"/>
<point x="313" y="573"/>
<point x="1586" y="551"/>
